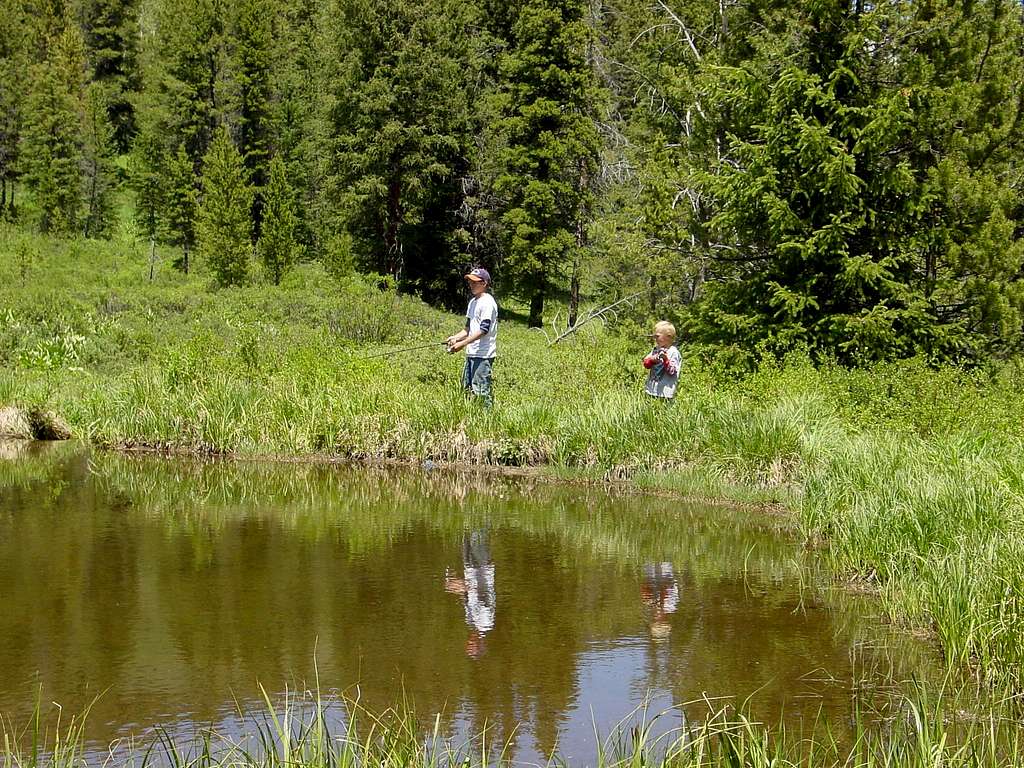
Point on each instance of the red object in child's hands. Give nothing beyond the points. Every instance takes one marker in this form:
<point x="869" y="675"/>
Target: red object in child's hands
<point x="650" y="361"/>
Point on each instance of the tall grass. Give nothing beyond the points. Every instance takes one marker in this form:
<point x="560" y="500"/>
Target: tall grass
<point x="310" y="732"/>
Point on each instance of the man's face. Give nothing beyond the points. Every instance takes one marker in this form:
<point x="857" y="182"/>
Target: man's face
<point x="476" y="287"/>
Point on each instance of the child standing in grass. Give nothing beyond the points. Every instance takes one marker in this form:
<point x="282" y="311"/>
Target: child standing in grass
<point x="663" y="363"/>
<point x="478" y="337"/>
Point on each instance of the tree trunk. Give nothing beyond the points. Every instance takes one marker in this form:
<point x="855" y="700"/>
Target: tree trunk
<point x="92" y="205"/>
<point x="185" y="261"/>
<point x="152" y="256"/>
<point x="392" y="247"/>
<point x="574" y="294"/>
<point x="257" y="213"/>
<point x="574" y="282"/>
<point x="3" y="195"/>
<point x="537" y="309"/>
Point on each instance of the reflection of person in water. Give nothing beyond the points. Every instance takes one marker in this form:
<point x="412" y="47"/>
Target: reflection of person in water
<point x="476" y="588"/>
<point x="659" y="592"/>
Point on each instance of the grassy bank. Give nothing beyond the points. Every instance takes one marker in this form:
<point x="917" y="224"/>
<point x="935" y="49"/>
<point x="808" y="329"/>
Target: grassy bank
<point x="909" y="479"/>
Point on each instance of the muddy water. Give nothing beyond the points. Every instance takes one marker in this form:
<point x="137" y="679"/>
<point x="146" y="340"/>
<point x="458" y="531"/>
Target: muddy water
<point x="170" y="590"/>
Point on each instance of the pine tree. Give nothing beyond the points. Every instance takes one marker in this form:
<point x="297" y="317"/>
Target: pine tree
<point x="181" y="206"/>
<point x="251" y="62"/>
<point x="51" y="139"/>
<point x="860" y="219"/>
<point x="551" y="97"/>
<point x="395" y="132"/>
<point x="111" y="32"/>
<point x="277" y="246"/>
<point x="14" y="74"/>
<point x="145" y="173"/>
<point x="184" y="73"/>
<point x="294" y="105"/>
<point x="99" y="171"/>
<point x="224" y="224"/>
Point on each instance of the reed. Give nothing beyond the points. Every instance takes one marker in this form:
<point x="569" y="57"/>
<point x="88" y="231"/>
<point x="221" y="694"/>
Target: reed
<point x="308" y="731"/>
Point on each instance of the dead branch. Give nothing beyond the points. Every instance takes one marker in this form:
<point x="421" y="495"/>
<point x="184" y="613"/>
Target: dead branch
<point x="682" y="26"/>
<point x="594" y="314"/>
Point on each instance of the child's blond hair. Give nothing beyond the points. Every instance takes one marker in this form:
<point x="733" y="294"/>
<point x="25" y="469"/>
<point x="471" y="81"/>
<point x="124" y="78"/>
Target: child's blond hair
<point x="664" y="326"/>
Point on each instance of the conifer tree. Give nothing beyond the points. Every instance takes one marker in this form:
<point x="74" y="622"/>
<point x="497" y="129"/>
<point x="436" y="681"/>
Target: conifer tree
<point x="146" y="172"/>
<point x="856" y="218"/>
<point x="184" y="73"/>
<point x="551" y="97"/>
<point x="51" y="139"/>
<point x="773" y="174"/>
<point x="99" y="172"/>
<point x="277" y="246"/>
<point x="224" y="225"/>
<point x="14" y="71"/>
<point x="251" y="84"/>
<point x="111" y="32"/>
<point x="294" y="107"/>
<point x="181" y="205"/>
<point x="395" y="130"/>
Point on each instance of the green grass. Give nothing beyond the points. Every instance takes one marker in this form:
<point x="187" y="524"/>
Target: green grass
<point x="310" y="732"/>
<point x="907" y="479"/>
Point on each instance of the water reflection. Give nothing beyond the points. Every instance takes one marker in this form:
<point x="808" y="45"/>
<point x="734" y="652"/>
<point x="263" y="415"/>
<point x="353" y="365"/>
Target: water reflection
<point x="173" y="587"/>
<point x="659" y="592"/>
<point x="476" y="587"/>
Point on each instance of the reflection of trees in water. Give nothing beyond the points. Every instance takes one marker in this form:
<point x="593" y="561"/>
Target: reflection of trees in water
<point x="195" y="599"/>
<point x="176" y="583"/>
<point x="34" y="465"/>
<point x="368" y="506"/>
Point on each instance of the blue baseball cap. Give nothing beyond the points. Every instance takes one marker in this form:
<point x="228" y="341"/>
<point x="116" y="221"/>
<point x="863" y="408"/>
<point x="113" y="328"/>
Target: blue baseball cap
<point x="479" y="274"/>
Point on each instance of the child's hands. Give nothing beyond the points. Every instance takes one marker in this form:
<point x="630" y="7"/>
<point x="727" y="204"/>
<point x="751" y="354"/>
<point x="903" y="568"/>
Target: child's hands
<point x="650" y="361"/>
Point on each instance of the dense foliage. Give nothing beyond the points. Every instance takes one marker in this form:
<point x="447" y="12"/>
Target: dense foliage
<point x="844" y="178"/>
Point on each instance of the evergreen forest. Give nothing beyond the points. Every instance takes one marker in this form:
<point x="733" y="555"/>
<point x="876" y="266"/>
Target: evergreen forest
<point x="844" y="179"/>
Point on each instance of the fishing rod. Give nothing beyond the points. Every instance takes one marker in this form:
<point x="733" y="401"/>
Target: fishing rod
<point x="400" y="351"/>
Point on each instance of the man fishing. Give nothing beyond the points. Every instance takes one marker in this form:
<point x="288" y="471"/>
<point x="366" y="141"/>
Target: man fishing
<point x="478" y="338"/>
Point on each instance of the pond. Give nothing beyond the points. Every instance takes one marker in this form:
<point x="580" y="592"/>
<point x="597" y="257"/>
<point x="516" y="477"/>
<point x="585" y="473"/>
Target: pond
<point x="165" y="592"/>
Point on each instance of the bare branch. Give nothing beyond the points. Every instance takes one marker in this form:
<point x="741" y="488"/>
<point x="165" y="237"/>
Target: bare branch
<point x="686" y="32"/>
<point x="594" y="314"/>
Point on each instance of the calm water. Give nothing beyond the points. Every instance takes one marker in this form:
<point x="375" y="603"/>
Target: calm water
<point x="170" y="590"/>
